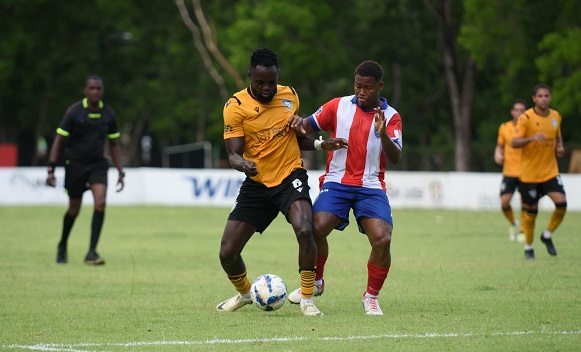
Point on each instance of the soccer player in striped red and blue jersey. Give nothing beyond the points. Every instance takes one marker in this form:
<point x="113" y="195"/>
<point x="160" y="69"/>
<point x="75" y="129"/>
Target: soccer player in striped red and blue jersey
<point x="371" y="132"/>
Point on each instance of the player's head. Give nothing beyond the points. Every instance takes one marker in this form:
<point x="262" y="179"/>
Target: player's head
<point x="518" y="107"/>
<point x="263" y="73"/>
<point x="94" y="88"/>
<point x="368" y="84"/>
<point x="542" y="95"/>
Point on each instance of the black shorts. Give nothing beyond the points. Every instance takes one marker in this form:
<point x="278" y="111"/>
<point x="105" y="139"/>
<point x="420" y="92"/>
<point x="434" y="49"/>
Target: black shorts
<point x="80" y="176"/>
<point x="532" y="192"/>
<point x="509" y="185"/>
<point x="259" y="205"/>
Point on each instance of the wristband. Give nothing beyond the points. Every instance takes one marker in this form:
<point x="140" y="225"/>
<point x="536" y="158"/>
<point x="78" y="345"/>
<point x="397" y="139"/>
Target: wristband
<point x="122" y="174"/>
<point x="318" y="143"/>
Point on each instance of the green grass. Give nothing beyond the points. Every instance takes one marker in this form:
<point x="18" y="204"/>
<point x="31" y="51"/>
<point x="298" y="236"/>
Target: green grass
<point x="456" y="284"/>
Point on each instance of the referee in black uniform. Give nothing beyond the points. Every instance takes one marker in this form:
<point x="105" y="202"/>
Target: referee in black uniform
<point x="82" y="133"/>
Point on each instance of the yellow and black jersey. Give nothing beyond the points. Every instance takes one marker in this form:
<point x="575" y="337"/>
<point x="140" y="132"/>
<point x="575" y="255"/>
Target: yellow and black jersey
<point x="538" y="160"/>
<point x="511" y="165"/>
<point x="269" y="141"/>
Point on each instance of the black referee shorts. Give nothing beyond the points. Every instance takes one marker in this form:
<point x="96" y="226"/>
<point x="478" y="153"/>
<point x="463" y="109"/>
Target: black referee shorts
<point x="259" y="205"/>
<point x="80" y="176"/>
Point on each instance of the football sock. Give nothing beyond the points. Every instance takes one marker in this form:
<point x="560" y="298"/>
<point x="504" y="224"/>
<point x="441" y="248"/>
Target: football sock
<point x="241" y="283"/>
<point x="375" y="278"/>
<point x="321" y="260"/>
<point x="522" y="216"/>
<point x="508" y="214"/>
<point x="307" y="282"/>
<point x="96" y="226"/>
<point x="528" y="246"/>
<point x="68" y="222"/>
<point x="547" y="234"/>
<point x="557" y="216"/>
<point x="529" y="225"/>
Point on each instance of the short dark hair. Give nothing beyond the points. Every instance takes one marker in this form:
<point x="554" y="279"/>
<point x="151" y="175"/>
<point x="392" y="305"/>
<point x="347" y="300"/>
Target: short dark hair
<point x="93" y="77"/>
<point x="540" y="86"/>
<point x="519" y="101"/>
<point x="370" y="68"/>
<point x="263" y="57"/>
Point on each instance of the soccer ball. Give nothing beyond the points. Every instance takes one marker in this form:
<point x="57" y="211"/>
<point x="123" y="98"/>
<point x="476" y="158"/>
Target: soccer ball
<point x="268" y="292"/>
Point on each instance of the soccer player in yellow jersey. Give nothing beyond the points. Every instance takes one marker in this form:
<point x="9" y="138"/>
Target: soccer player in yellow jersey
<point x="509" y="158"/>
<point x="260" y="143"/>
<point x="538" y="133"/>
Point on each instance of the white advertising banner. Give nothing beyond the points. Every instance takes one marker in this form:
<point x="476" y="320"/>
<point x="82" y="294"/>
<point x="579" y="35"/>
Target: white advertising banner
<point x="219" y="187"/>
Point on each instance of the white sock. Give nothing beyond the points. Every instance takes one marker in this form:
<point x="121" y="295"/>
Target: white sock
<point x="547" y="234"/>
<point x="319" y="283"/>
<point x="367" y="294"/>
<point x="528" y="246"/>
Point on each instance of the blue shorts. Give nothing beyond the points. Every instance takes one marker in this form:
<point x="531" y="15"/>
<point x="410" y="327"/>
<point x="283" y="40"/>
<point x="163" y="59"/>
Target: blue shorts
<point x="339" y="199"/>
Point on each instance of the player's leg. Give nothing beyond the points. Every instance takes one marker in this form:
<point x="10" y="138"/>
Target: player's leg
<point x="236" y="235"/>
<point x="331" y="210"/>
<point x="373" y="214"/>
<point x="97" y="179"/>
<point x="379" y="235"/>
<point x="556" y="192"/>
<point x="75" y="185"/>
<point x="530" y="197"/>
<point x="68" y="222"/>
<point x="507" y="189"/>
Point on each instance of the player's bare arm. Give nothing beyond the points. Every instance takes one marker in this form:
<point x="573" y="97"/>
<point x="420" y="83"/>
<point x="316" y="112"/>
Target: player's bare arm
<point x="235" y="150"/>
<point x="560" y="148"/>
<point x="301" y="126"/>
<point x="329" y="144"/>
<point x="499" y="154"/>
<point x="53" y="157"/>
<point x="390" y="149"/>
<point x="521" y="142"/>
<point x="116" y="156"/>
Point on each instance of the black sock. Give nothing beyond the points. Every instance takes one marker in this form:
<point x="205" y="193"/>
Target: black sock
<point x="96" y="226"/>
<point x="68" y="222"/>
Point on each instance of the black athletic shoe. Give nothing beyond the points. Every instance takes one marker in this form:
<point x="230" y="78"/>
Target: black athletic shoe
<point x="93" y="258"/>
<point x="61" y="256"/>
<point x="550" y="246"/>
<point x="529" y="254"/>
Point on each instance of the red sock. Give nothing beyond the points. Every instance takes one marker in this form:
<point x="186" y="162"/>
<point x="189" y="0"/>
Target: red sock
<point x="375" y="278"/>
<point x="321" y="260"/>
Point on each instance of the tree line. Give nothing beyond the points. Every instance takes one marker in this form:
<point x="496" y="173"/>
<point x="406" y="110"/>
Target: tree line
<point x="452" y="67"/>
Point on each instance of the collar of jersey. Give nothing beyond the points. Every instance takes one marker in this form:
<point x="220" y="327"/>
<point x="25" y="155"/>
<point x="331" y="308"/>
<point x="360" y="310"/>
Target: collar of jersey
<point x="383" y="101"/>
<point x="86" y="103"/>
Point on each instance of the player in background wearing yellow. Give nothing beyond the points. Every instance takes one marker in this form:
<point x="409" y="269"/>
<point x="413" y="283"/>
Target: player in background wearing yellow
<point x="538" y="133"/>
<point x="509" y="158"/>
<point x="260" y="143"/>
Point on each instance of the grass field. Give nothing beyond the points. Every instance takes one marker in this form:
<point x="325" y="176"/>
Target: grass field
<point x="456" y="284"/>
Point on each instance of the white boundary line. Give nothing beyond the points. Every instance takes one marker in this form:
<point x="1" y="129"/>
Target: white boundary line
<point x="82" y="347"/>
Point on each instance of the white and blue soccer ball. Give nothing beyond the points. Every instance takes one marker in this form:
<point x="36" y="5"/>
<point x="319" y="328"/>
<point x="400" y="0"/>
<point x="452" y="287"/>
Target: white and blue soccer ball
<point x="268" y="292"/>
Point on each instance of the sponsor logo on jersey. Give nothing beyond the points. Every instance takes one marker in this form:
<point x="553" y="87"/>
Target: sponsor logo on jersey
<point x="287" y="104"/>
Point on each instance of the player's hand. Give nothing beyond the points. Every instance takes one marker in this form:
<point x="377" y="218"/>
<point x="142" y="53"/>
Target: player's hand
<point x="249" y="168"/>
<point x="379" y="121"/>
<point x="120" y="183"/>
<point x="334" y="144"/>
<point x="539" y="136"/>
<point x="295" y="122"/>
<point x="51" y="180"/>
<point x="560" y="150"/>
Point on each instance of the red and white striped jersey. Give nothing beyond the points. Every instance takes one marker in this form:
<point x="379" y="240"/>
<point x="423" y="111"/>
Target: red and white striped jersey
<point x="362" y="164"/>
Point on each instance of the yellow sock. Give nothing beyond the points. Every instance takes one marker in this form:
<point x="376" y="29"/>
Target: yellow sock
<point x="556" y="218"/>
<point x="529" y="226"/>
<point x="508" y="214"/>
<point x="307" y="283"/>
<point x="522" y="219"/>
<point x="241" y="283"/>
